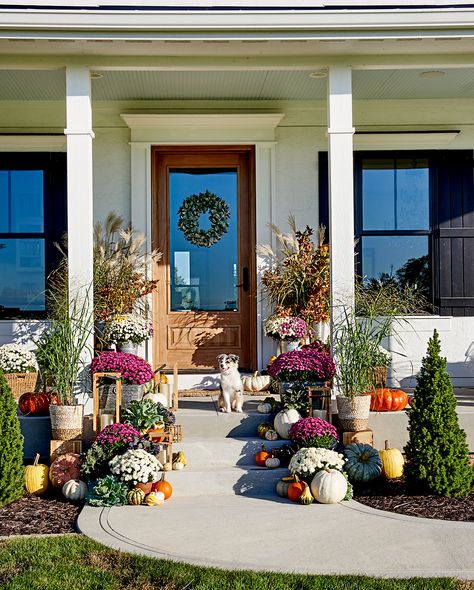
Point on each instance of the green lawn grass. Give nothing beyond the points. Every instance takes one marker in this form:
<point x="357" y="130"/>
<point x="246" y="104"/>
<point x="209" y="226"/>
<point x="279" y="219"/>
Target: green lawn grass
<point x="77" y="563"/>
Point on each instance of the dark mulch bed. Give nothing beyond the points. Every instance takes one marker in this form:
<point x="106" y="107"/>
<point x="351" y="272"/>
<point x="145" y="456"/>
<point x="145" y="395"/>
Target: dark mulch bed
<point x="34" y="515"/>
<point x="395" y="497"/>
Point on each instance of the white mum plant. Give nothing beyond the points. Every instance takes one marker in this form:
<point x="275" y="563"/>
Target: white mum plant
<point x="136" y="466"/>
<point x="128" y="328"/>
<point x="16" y="358"/>
<point x="306" y="462"/>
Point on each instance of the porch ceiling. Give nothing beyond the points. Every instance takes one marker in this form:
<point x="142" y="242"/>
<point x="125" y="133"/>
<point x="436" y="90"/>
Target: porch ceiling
<point x="42" y="85"/>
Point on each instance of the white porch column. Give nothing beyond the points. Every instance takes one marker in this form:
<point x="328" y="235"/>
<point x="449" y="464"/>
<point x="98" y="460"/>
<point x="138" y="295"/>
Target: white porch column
<point x="79" y="182"/>
<point x="341" y="188"/>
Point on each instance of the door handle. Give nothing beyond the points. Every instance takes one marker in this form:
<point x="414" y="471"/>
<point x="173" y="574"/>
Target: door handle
<point x="245" y="279"/>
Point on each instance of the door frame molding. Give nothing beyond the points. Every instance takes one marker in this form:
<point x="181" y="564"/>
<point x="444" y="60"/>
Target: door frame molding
<point x="256" y="131"/>
<point x="160" y="240"/>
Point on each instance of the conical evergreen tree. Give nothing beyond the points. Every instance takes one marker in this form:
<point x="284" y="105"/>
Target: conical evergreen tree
<point x="11" y="447"/>
<point x="437" y="453"/>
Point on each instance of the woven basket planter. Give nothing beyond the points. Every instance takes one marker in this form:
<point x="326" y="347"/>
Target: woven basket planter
<point x="353" y="412"/>
<point x="21" y="383"/>
<point x="66" y="421"/>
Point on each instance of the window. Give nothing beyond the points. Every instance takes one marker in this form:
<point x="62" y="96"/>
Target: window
<point x="414" y="222"/>
<point x="32" y="219"/>
<point x="393" y="220"/>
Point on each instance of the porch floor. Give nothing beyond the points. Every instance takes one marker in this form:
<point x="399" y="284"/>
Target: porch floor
<point x="224" y="510"/>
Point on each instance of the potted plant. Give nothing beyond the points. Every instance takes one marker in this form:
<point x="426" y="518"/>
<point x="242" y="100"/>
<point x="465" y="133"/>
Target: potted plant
<point x="20" y="368"/>
<point x="127" y="332"/>
<point x="357" y="352"/>
<point x="62" y="352"/>
<point x="135" y="373"/>
<point x="297" y="369"/>
<point x="287" y="330"/>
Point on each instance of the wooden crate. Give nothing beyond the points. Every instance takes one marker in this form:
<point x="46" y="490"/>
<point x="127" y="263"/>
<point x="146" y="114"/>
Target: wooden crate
<point x="61" y="447"/>
<point x="363" y="436"/>
<point x="172" y="434"/>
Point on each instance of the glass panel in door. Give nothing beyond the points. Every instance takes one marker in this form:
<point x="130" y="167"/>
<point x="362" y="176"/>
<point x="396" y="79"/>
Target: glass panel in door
<point x="203" y="277"/>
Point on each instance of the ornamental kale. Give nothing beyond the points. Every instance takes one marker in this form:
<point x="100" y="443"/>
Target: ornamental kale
<point x="142" y="414"/>
<point x="303" y="365"/>
<point x="168" y="416"/>
<point x="134" y="370"/>
<point x="108" y="491"/>
<point x="95" y="462"/>
<point x="313" y="432"/>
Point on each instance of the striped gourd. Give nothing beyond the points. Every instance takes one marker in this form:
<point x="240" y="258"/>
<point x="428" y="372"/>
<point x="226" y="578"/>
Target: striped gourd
<point x="135" y="496"/>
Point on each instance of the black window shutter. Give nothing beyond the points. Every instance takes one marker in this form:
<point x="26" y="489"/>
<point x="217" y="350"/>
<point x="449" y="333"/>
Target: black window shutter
<point x="323" y="191"/>
<point x="454" y="233"/>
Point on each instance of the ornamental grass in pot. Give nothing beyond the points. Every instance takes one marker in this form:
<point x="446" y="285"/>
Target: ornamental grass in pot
<point x="356" y="350"/>
<point x="62" y="353"/>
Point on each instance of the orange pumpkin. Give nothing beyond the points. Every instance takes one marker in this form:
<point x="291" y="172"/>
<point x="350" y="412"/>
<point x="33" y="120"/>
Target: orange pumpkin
<point x="385" y="399"/>
<point x="163" y="486"/>
<point x="262" y="456"/>
<point x="34" y="404"/>
<point x="295" y="490"/>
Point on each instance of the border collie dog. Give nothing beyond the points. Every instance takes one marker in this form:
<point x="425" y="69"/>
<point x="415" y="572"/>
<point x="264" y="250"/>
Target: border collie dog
<point x="231" y="397"/>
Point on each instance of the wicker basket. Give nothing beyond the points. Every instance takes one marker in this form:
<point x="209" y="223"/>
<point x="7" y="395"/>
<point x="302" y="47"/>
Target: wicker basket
<point x="353" y="412"/>
<point x="21" y="383"/>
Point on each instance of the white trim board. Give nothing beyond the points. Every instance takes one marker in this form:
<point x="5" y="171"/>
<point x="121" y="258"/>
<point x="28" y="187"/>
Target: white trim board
<point x="210" y="129"/>
<point x="32" y="143"/>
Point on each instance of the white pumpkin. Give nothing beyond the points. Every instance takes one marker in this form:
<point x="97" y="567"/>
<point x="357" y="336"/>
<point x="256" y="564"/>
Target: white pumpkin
<point x="264" y="408"/>
<point x="284" y="420"/>
<point x="272" y="462"/>
<point x="256" y="382"/>
<point x="74" y="490"/>
<point x="157" y="398"/>
<point x="329" y="486"/>
<point x="178" y="465"/>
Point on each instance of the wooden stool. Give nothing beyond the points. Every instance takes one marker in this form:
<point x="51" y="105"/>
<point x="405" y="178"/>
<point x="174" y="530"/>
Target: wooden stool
<point x="96" y="422"/>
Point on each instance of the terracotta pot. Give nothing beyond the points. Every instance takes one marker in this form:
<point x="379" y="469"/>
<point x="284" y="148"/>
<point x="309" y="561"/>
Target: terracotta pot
<point x="145" y="487"/>
<point x="353" y="412"/>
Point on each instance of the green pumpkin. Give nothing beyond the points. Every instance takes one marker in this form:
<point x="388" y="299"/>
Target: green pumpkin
<point x="136" y="496"/>
<point x="263" y="428"/>
<point x="363" y="462"/>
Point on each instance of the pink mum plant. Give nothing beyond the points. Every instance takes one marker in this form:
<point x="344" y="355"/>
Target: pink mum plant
<point x="134" y="369"/>
<point x="313" y="432"/>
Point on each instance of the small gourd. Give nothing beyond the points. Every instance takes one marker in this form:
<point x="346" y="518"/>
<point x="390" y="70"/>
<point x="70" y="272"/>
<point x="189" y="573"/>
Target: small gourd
<point x="264" y="408"/>
<point x="362" y="462"/>
<point x="36" y="477"/>
<point x="263" y="428"/>
<point x="262" y="456"/>
<point x="329" y="486"/>
<point x="178" y="465"/>
<point x="306" y="497"/>
<point x="272" y="462"/>
<point x="271" y="435"/>
<point x="136" y="497"/>
<point x="74" y="490"/>
<point x="283" y="484"/>
<point x="256" y="382"/>
<point x="154" y="499"/>
<point x="392" y="462"/>
<point x="168" y="466"/>
<point x="284" y="420"/>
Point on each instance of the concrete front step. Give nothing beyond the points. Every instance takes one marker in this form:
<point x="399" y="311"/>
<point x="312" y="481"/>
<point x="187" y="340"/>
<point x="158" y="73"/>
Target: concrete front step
<point x="223" y="452"/>
<point x="248" y="481"/>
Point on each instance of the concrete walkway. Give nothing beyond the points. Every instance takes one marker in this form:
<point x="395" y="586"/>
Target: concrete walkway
<point x="224" y="512"/>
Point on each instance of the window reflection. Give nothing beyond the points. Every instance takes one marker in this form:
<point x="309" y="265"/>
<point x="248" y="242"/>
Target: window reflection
<point x="203" y="278"/>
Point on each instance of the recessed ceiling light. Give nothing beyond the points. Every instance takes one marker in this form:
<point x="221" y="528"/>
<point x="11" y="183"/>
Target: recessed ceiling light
<point x="96" y="75"/>
<point x="432" y="74"/>
<point x="319" y="74"/>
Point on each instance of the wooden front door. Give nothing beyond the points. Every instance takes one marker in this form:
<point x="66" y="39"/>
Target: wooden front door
<point x="205" y="302"/>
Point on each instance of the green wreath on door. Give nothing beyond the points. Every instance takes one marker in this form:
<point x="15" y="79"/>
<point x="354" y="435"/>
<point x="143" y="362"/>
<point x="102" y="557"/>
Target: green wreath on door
<point x="188" y="218"/>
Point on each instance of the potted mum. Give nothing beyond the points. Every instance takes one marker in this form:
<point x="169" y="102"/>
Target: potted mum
<point x="297" y="369"/>
<point x="20" y="368"/>
<point x="127" y="332"/>
<point x="135" y="373"/>
<point x="313" y="432"/>
<point x="288" y="330"/>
